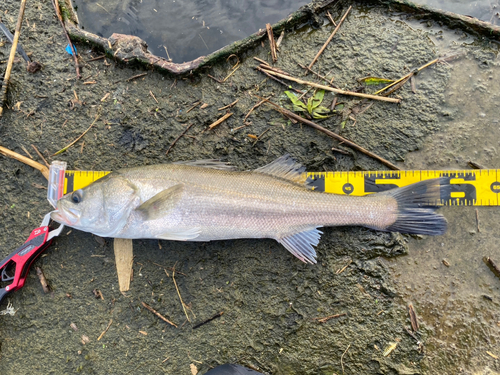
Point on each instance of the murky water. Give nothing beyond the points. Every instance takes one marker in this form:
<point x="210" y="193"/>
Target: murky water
<point x="183" y="29"/>
<point x="485" y="10"/>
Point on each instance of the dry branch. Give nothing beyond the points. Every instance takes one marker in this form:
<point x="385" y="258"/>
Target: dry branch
<point x="341" y="139"/>
<point x="328" y="88"/>
<point x="329" y="38"/>
<point x="13" y="50"/>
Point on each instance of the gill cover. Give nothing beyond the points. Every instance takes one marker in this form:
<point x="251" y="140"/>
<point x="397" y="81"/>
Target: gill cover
<point x="101" y="208"/>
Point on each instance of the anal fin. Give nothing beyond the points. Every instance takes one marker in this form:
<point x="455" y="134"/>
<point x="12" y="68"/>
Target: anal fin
<point x="301" y="244"/>
<point x="181" y="234"/>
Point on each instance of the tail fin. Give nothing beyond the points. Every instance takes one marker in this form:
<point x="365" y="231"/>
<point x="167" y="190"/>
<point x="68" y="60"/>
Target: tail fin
<point x="417" y="204"/>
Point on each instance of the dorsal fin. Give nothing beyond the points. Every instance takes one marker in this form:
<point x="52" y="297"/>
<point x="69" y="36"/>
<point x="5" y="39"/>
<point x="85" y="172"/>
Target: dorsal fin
<point x="285" y="167"/>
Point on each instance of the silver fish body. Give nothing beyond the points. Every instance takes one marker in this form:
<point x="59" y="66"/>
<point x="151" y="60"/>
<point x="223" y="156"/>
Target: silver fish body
<point x="199" y="203"/>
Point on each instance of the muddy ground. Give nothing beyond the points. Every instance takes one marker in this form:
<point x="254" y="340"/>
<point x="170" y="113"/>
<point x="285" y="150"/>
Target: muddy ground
<point x="270" y="300"/>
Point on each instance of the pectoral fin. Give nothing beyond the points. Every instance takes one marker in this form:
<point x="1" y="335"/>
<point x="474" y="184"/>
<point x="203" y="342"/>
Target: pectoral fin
<point x="301" y="244"/>
<point x="161" y="203"/>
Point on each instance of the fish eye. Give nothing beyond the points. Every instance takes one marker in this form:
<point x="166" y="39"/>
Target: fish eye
<point x="76" y="197"/>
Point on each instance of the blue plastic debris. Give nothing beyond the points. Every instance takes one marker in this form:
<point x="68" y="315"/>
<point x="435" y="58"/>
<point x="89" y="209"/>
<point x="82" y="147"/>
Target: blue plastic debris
<point x="68" y="49"/>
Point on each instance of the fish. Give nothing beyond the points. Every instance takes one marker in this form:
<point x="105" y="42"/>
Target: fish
<point x="208" y="200"/>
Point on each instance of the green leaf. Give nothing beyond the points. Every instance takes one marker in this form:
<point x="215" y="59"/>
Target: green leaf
<point x="370" y="81"/>
<point x="318" y="98"/>
<point x="297" y="104"/>
<point x="343" y="124"/>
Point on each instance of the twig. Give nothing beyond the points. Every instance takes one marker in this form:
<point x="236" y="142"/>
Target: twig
<point x="280" y="39"/>
<point x="158" y="314"/>
<point x="76" y="140"/>
<point x="330" y="18"/>
<point x="136" y="76"/>
<point x="261" y="61"/>
<point x="313" y="72"/>
<point x="223" y="118"/>
<point x="26" y="151"/>
<point x="179" y="137"/>
<point x="179" y="293"/>
<point x="12" y="55"/>
<point x="339" y="271"/>
<point x="14" y="155"/>
<point x="342" y="358"/>
<point x="151" y="93"/>
<point x="106" y="330"/>
<point x="218" y="315"/>
<point x="333" y="135"/>
<point x="413" y="317"/>
<point x="255" y="106"/>
<point x="229" y="105"/>
<point x="97" y="58"/>
<point x="43" y="280"/>
<point x="272" y="43"/>
<point x="477" y="221"/>
<point x="327" y="318"/>
<point x="408" y="76"/>
<point x="328" y="88"/>
<point x="330" y="38"/>
<point x="194" y="106"/>
<point x="55" y="4"/>
<point x="215" y="79"/>
<point x="41" y="156"/>
<point x="277" y="80"/>
<point x="492" y="265"/>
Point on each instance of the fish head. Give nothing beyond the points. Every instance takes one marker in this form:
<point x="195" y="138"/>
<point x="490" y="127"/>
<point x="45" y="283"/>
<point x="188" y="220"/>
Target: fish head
<point x="101" y="208"/>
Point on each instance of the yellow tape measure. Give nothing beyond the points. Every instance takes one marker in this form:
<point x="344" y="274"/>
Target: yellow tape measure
<point x="479" y="187"/>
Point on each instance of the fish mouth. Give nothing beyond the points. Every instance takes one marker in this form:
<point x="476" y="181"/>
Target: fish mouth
<point x="67" y="216"/>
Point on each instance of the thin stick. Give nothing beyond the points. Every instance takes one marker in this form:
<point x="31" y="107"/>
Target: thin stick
<point x="179" y="293"/>
<point x="26" y="151"/>
<point x="158" y="314"/>
<point x="76" y="140"/>
<point x="333" y="135"/>
<point x="313" y="72"/>
<point x="223" y="118"/>
<point x="261" y="61"/>
<point x="413" y="317"/>
<point x="14" y="155"/>
<point x="194" y="106"/>
<point x="477" y="221"/>
<point x="339" y="271"/>
<point x="330" y="18"/>
<point x="218" y="315"/>
<point x="43" y="280"/>
<point x="179" y="137"/>
<point x="332" y="89"/>
<point x="106" y="330"/>
<point x="492" y="265"/>
<point x="277" y="80"/>
<point x="272" y="43"/>
<point x="327" y="318"/>
<point x="229" y="105"/>
<point x="151" y="93"/>
<point x="254" y="107"/>
<point x="407" y="77"/>
<point x="342" y="358"/>
<point x="41" y="156"/>
<point x="330" y="38"/>
<point x="12" y="55"/>
<point x="136" y="76"/>
<point x="55" y="4"/>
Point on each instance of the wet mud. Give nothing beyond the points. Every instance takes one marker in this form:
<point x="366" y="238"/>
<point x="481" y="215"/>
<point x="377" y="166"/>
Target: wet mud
<point x="270" y="300"/>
